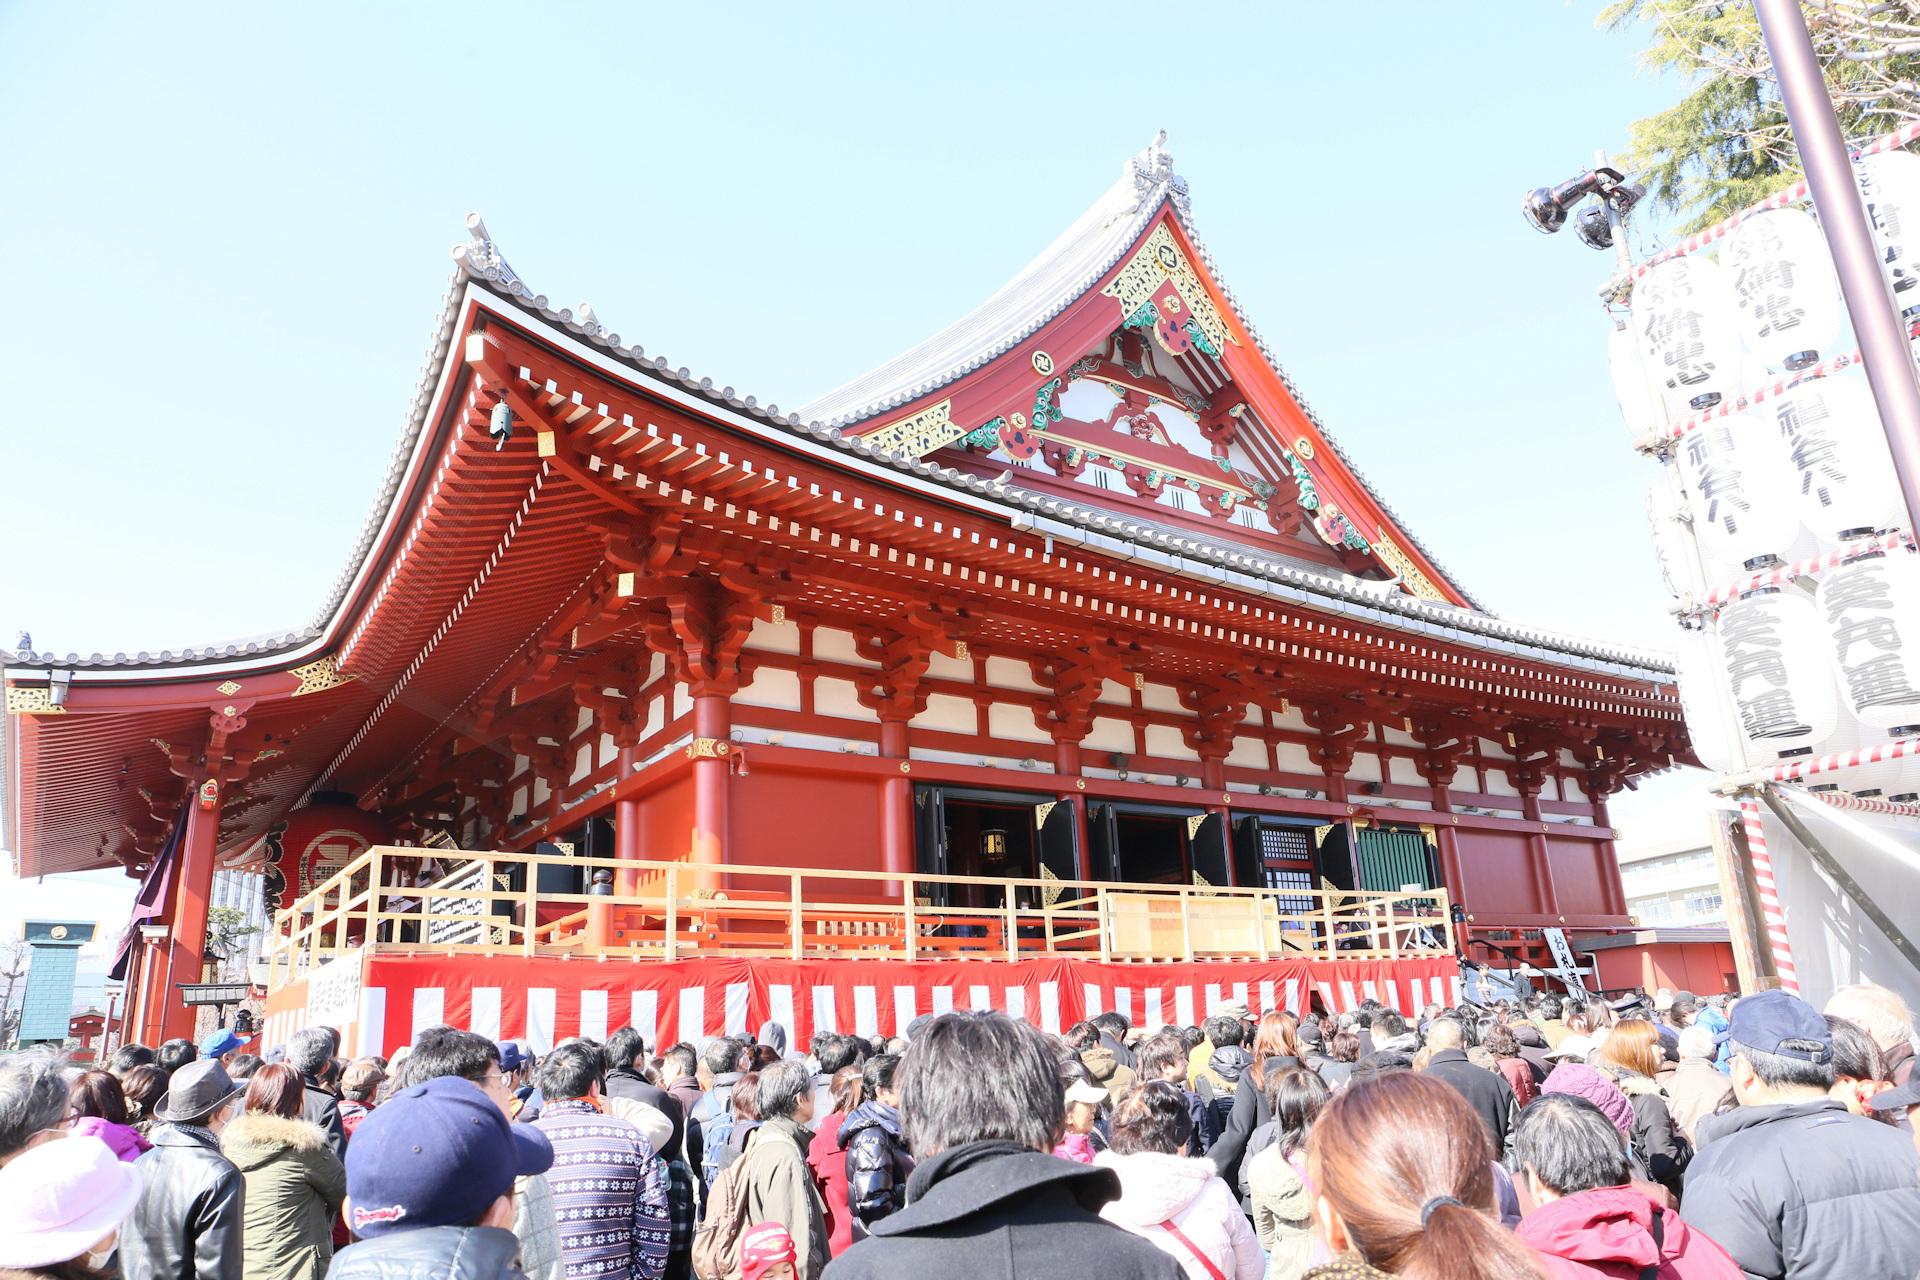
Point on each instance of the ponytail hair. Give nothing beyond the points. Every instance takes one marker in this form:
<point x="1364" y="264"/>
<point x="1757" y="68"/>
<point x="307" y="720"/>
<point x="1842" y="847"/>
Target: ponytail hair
<point x="1408" y="1167"/>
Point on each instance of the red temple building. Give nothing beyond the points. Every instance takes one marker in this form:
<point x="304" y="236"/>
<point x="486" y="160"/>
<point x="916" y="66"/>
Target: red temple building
<point x="1077" y="593"/>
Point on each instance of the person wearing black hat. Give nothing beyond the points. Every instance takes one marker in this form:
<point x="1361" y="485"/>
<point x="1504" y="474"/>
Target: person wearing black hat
<point x="189" y="1221"/>
<point x="1791" y="1183"/>
<point x="430" y="1179"/>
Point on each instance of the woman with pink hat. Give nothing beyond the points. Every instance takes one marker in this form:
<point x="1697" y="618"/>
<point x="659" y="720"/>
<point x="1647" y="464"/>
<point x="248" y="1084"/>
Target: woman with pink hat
<point x="61" y="1206"/>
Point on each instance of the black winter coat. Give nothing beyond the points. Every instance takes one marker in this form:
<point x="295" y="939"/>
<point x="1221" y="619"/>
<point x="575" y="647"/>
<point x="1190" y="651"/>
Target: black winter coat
<point x="623" y="1082"/>
<point x="877" y="1162"/>
<point x="1808" y="1189"/>
<point x="1487" y="1092"/>
<point x="1002" y="1211"/>
<point x="1664" y="1152"/>
<point x="322" y="1108"/>
<point x="191" y="1216"/>
<point x="444" y="1253"/>
<point x="1249" y="1113"/>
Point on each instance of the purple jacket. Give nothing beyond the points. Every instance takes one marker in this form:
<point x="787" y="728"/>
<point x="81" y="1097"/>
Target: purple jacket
<point x="1584" y="1082"/>
<point x="124" y="1142"/>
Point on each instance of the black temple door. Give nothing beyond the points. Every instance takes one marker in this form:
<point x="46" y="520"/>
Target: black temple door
<point x="1207" y="838"/>
<point x="1055" y="822"/>
<point x="1103" y="840"/>
<point x="1249" y="857"/>
<point x="930" y="822"/>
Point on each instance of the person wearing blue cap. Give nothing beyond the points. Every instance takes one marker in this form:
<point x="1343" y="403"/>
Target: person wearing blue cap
<point x="224" y="1045"/>
<point x="1791" y="1183"/>
<point x="430" y="1179"/>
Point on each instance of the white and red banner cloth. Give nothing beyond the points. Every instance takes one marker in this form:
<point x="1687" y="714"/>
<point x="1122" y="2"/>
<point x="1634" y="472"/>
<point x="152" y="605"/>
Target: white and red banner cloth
<point x="545" y="1001"/>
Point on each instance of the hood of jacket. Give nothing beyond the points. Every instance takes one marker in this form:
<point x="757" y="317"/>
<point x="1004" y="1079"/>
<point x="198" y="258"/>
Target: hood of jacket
<point x="1153" y="1186"/>
<point x="1629" y="1081"/>
<point x="871" y="1115"/>
<point x="1607" y="1224"/>
<point x="1406" y="1042"/>
<point x="125" y="1143"/>
<point x="1583" y="1081"/>
<point x="1740" y="1118"/>
<point x="967" y="1179"/>
<point x="1229" y="1062"/>
<point x="774" y="1036"/>
<point x="454" y="1253"/>
<point x="1101" y="1062"/>
<point x="254" y="1139"/>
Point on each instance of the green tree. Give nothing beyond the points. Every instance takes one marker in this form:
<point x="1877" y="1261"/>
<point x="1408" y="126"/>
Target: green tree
<point x="1726" y="143"/>
<point x="226" y="926"/>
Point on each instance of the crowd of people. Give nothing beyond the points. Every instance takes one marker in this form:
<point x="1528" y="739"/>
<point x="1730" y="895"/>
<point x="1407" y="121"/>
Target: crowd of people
<point x="1676" y="1138"/>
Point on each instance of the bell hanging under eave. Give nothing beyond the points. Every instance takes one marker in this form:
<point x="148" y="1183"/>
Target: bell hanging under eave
<point x="501" y="428"/>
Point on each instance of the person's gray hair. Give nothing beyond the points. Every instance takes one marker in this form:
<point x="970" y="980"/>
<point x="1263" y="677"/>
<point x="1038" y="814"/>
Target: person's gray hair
<point x="1445" y="1033"/>
<point x="1697" y="1042"/>
<point x="309" y="1051"/>
<point x="781" y="1087"/>
<point x="1879" y="1012"/>
<point x="34" y="1096"/>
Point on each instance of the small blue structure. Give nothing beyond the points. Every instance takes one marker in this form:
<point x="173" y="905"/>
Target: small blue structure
<point x="48" y="1006"/>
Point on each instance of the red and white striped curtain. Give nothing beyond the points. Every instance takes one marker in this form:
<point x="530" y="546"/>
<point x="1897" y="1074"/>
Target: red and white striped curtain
<point x="545" y="1001"/>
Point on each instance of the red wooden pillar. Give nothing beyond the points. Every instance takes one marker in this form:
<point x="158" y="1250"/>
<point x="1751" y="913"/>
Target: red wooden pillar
<point x="712" y="770"/>
<point x="626" y="825"/>
<point x="1449" y="841"/>
<point x="1616" y="895"/>
<point x="1066" y="763"/>
<point x="896" y="807"/>
<point x="1537" y="842"/>
<point x="188" y="945"/>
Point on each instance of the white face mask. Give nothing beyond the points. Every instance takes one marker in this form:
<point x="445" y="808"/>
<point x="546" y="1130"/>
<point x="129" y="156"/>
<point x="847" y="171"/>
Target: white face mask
<point x="98" y="1259"/>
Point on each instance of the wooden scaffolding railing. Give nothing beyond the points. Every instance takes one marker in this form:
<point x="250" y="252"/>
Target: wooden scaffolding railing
<point x="678" y="910"/>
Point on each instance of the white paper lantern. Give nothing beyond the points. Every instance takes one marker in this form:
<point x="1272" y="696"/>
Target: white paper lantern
<point x="1771" y="651"/>
<point x="1683" y="318"/>
<point x="1784" y="290"/>
<point x="1639" y="405"/>
<point x="1669" y="539"/>
<point x="1884" y="778"/>
<point x="1705" y="707"/>
<point x="1871" y="610"/>
<point x="1890" y="189"/>
<point x="1736" y="486"/>
<point x="1839" y="469"/>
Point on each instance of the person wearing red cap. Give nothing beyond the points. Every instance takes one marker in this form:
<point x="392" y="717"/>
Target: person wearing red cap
<point x="767" y="1253"/>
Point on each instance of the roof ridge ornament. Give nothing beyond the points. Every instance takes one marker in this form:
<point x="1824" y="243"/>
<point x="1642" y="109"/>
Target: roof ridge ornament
<point x="1152" y="173"/>
<point x="481" y="258"/>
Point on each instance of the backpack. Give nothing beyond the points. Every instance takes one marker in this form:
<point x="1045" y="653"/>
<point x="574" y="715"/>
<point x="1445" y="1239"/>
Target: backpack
<point x="1218" y="1099"/>
<point x="715" y="1114"/>
<point x="716" y="1245"/>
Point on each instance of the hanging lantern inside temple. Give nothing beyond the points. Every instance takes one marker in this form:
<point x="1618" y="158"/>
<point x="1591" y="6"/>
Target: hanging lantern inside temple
<point x="1631" y="386"/>
<point x="303" y="851"/>
<point x="1890" y="189"/>
<point x="1838" y="467"/>
<point x="1871" y="607"/>
<point x="1785" y="293"/>
<point x="1771" y="650"/>
<point x="1704" y="706"/>
<point x="1736" y="487"/>
<point x="1683" y="317"/>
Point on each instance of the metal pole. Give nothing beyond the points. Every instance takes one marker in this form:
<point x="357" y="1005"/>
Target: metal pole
<point x="1829" y="168"/>
<point x="1848" y="885"/>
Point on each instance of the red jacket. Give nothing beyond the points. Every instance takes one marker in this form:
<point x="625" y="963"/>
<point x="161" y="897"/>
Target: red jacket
<point x="1607" y="1232"/>
<point x="829" y="1165"/>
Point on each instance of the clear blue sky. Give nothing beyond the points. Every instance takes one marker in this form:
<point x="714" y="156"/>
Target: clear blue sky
<point x="225" y="234"/>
